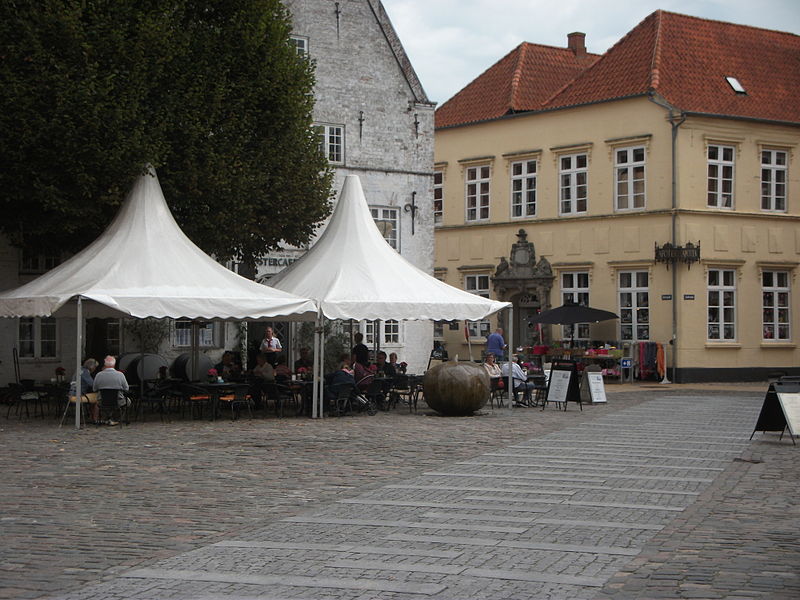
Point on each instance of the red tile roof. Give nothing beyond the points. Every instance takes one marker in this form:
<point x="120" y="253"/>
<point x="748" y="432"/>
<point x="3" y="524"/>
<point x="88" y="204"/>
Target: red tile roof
<point x="520" y="81"/>
<point x="684" y="59"/>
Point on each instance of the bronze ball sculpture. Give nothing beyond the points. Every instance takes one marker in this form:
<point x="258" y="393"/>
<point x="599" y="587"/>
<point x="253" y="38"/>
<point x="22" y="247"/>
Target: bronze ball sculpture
<point x="457" y="388"/>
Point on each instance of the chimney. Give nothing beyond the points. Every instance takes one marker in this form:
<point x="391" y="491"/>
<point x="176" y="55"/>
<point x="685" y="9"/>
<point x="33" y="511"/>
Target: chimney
<point x="576" y="42"/>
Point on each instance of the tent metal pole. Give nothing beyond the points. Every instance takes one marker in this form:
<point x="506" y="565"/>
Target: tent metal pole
<point x="315" y="369"/>
<point x="321" y="409"/>
<point x="78" y="371"/>
<point x="510" y="356"/>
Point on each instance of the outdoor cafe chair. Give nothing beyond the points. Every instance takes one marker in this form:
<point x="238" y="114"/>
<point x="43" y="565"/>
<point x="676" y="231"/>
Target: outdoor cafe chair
<point x="110" y="410"/>
<point x="70" y="403"/>
<point x="156" y="396"/>
<point x="239" y="398"/>
<point x="194" y="398"/>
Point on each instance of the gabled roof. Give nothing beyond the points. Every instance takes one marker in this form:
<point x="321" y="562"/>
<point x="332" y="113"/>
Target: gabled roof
<point x="520" y="81"/>
<point x="687" y="59"/>
<point x="684" y="59"/>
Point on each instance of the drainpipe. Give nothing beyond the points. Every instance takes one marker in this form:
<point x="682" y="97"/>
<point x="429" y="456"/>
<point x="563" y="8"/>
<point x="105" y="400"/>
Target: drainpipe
<point x="676" y="118"/>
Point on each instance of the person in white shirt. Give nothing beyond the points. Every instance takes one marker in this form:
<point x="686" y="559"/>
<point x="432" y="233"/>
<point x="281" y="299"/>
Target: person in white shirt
<point x="521" y="383"/>
<point x="271" y="346"/>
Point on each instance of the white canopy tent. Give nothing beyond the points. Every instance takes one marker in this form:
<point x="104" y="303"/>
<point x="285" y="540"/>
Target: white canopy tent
<point x="142" y="266"/>
<point x="353" y="273"/>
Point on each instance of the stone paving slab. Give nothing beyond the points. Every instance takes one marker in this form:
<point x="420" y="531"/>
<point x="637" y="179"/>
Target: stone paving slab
<point x="561" y="550"/>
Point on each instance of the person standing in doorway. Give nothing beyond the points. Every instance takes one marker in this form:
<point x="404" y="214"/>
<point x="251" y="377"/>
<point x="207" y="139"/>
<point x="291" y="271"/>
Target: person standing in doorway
<point x="360" y="352"/>
<point x="271" y="347"/>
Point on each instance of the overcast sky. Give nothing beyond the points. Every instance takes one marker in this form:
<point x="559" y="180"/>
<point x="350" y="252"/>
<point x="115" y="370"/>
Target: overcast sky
<point x="451" y="42"/>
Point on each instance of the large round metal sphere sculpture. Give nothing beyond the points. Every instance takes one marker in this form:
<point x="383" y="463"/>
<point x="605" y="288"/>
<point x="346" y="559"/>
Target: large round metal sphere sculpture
<point x="457" y="388"/>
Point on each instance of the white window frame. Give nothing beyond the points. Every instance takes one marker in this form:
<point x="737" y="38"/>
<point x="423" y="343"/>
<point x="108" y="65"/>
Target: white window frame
<point x="301" y="44"/>
<point x="390" y="214"/>
<point x="721" y="305"/>
<point x="438" y="197"/>
<point x="626" y="166"/>
<point x="208" y="334"/>
<point x="478" y="284"/>
<point x="774" y="176"/>
<point x="44" y="331"/>
<point x="573" y="183"/>
<point x="524" y="174"/>
<point x="477" y="192"/>
<point x="634" y="304"/>
<point x="390" y="331"/>
<point x="575" y="288"/>
<point x="331" y="141"/>
<point x="776" y="305"/>
<point x="720" y="176"/>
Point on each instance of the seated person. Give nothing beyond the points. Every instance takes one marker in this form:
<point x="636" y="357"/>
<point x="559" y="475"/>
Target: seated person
<point x="383" y="366"/>
<point x="521" y="383"/>
<point x="111" y="379"/>
<point x="393" y="362"/>
<point x="304" y="361"/>
<point x="282" y="371"/>
<point x="492" y="368"/>
<point x="227" y="368"/>
<point x="262" y="374"/>
<point x="342" y="376"/>
<point x="87" y="384"/>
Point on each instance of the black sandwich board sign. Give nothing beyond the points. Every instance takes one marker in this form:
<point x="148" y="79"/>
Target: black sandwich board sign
<point x="563" y="385"/>
<point x="781" y="408"/>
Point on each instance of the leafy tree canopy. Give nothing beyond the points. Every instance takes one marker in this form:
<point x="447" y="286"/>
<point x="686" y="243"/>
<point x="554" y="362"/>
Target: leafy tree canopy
<point x="213" y="94"/>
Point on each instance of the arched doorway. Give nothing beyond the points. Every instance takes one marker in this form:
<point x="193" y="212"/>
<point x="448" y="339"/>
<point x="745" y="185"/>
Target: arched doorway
<point x="525" y="283"/>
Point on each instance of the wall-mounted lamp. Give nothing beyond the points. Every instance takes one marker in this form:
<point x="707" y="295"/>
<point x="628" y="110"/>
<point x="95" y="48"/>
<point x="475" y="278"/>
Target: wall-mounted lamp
<point x="412" y="208"/>
<point x="360" y="123"/>
<point x="416" y="124"/>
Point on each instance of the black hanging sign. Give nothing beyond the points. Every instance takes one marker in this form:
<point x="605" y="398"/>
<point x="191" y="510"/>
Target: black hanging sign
<point x="781" y="398"/>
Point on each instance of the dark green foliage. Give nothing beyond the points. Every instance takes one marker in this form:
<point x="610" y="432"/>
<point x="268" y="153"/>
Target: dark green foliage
<point x="211" y="93"/>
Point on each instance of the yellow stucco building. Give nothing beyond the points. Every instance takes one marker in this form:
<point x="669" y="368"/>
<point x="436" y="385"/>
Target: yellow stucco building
<point x="659" y="180"/>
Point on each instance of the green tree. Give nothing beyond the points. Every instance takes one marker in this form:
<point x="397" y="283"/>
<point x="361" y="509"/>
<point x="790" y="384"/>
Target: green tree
<point x="213" y="94"/>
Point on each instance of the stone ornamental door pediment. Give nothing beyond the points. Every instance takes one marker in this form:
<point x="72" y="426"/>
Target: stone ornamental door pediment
<point x="526" y="284"/>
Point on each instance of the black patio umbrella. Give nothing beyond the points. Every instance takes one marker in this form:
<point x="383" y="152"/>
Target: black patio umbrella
<point x="570" y="314"/>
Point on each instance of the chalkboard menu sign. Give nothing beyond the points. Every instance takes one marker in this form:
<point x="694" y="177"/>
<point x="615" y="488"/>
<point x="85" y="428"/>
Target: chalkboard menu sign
<point x="781" y="409"/>
<point x="563" y="386"/>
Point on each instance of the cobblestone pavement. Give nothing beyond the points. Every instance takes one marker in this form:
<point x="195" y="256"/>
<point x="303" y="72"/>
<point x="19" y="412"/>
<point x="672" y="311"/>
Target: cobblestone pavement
<point x="657" y="494"/>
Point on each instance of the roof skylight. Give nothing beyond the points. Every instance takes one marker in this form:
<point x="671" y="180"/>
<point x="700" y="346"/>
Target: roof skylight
<point x="734" y="83"/>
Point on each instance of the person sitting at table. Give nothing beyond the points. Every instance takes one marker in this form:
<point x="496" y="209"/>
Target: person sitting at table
<point x="262" y="375"/>
<point x="282" y="371"/>
<point x="521" y="383"/>
<point x="304" y="361"/>
<point x="393" y="362"/>
<point x="384" y="367"/>
<point x="87" y="383"/>
<point x="342" y="376"/>
<point x="492" y="368"/>
<point x="111" y="379"/>
<point x="227" y="367"/>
